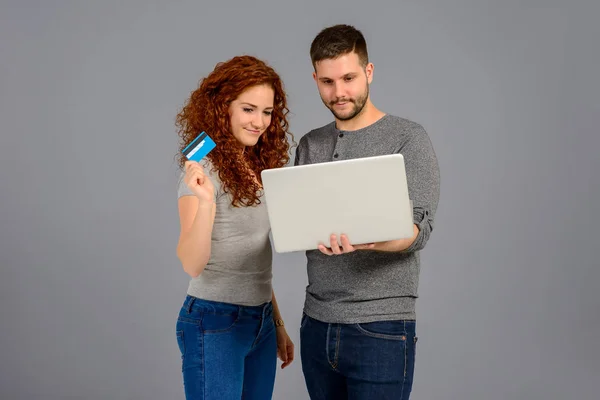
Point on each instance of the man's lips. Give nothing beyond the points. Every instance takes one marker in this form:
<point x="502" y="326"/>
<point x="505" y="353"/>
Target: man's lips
<point x="341" y="103"/>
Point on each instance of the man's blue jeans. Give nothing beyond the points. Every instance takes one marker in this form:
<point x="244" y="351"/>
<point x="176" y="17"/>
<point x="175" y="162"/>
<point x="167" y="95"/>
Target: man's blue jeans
<point x="228" y="351"/>
<point x="358" y="361"/>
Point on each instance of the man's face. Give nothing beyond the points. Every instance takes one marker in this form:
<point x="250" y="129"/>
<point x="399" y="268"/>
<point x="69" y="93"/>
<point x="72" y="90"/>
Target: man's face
<point x="343" y="85"/>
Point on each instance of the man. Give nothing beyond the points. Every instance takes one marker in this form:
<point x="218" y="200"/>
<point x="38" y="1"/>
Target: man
<point x="358" y="331"/>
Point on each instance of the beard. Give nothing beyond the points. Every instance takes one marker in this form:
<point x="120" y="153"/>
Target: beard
<point x="357" y="106"/>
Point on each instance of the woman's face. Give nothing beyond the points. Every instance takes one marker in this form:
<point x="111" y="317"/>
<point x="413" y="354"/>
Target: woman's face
<point x="250" y="114"/>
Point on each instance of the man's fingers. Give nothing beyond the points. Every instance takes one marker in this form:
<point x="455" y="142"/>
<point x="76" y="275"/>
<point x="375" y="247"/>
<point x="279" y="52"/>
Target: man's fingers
<point x="325" y="250"/>
<point x="335" y="248"/>
<point x="345" y="248"/>
<point x="346" y="244"/>
<point x="350" y="248"/>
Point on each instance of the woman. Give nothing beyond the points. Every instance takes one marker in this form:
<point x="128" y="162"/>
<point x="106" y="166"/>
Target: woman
<point x="226" y="329"/>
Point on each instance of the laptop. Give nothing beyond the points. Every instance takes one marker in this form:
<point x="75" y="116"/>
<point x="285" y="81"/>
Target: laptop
<point x="365" y="198"/>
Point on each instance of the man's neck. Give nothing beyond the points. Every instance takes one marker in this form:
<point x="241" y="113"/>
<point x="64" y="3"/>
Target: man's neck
<point x="368" y="116"/>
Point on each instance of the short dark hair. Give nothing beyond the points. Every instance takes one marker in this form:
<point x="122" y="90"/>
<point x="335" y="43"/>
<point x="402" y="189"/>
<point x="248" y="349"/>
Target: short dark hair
<point x="337" y="40"/>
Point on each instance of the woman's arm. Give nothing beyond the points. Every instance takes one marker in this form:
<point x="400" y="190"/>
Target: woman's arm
<point x="196" y="220"/>
<point x="276" y="312"/>
<point x="285" y="347"/>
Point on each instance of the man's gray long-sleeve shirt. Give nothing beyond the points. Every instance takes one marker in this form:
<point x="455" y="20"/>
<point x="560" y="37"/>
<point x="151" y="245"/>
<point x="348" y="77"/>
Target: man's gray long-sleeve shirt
<point x="366" y="286"/>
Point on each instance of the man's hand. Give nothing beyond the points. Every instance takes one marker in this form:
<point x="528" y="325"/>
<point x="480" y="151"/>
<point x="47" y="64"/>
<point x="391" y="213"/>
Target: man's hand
<point x="346" y="246"/>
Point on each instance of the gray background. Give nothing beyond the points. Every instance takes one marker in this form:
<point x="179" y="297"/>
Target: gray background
<point x="90" y="286"/>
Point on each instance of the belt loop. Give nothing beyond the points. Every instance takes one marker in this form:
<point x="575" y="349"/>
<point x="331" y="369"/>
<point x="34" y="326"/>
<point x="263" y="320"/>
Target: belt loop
<point x="190" y="304"/>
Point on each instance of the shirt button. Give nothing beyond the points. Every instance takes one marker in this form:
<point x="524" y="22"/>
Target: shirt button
<point x="341" y="135"/>
<point x="335" y="155"/>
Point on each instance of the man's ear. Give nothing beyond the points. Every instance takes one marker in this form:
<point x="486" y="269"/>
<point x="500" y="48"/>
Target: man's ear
<point x="369" y="71"/>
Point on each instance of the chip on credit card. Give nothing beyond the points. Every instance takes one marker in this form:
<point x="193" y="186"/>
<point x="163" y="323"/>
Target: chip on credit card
<point x="199" y="147"/>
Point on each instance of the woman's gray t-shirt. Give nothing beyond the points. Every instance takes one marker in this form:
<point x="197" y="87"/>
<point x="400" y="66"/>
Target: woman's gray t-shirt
<point x="239" y="270"/>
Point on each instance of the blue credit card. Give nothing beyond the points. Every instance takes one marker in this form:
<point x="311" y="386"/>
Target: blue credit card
<point x="199" y="147"/>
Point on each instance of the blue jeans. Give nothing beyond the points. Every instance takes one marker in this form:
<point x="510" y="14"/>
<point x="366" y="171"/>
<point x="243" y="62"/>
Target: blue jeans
<point x="358" y="361"/>
<point x="228" y="351"/>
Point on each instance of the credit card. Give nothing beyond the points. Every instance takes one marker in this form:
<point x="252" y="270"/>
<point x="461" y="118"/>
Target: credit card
<point x="199" y="147"/>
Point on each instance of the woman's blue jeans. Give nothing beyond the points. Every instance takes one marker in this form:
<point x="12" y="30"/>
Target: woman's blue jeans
<point x="228" y="351"/>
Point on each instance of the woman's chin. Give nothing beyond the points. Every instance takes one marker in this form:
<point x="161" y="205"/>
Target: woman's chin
<point x="248" y="140"/>
<point x="251" y="141"/>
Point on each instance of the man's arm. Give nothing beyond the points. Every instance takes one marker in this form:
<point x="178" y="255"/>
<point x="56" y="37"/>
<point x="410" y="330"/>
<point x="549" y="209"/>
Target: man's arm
<point x="423" y="177"/>
<point x="398" y="245"/>
<point x="299" y="158"/>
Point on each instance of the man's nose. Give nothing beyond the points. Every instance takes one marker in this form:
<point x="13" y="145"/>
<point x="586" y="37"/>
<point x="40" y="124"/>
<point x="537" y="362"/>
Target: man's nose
<point x="339" y="91"/>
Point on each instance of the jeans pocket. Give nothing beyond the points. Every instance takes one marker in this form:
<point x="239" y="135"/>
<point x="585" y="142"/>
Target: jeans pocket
<point x="391" y="330"/>
<point x="181" y="342"/>
<point x="218" y="323"/>
<point x="303" y="320"/>
<point x="416" y="339"/>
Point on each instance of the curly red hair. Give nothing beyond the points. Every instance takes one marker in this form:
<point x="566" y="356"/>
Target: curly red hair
<point x="207" y="110"/>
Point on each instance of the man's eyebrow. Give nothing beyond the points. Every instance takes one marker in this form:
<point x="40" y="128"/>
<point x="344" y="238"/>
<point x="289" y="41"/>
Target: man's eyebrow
<point x="349" y="74"/>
